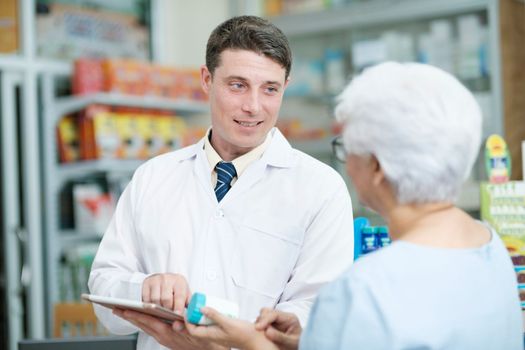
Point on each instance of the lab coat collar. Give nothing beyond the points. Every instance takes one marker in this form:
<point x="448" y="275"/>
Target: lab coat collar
<point x="278" y="154"/>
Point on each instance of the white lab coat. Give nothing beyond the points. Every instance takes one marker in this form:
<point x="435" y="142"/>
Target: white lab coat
<point x="283" y="230"/>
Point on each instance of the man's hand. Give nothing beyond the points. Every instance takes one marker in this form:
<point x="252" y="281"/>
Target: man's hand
<point x="167" y="335"/>
<point x="168" y="290"/>
<point x="229" y="332"/>
<point x="283" y="328"/>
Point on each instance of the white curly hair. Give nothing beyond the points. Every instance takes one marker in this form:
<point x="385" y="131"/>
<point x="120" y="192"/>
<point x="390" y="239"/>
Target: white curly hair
<point x="421" y="123"/>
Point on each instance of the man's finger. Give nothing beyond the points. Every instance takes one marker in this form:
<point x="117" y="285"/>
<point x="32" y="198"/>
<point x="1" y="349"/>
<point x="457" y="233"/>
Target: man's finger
<point x="146" y="292"/>
<point x="154" y="293"/>
<point x="166" y="297"/>
<point x="181" y="295"/>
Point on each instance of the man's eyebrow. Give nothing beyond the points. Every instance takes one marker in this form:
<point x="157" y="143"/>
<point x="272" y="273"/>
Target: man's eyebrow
<point x="238" y="77"/>
<point x="271" y="82"/>
<point x="235" y="77"/>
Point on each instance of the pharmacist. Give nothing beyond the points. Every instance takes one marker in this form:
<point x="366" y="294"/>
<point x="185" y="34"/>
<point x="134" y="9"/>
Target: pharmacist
<point x="240" y="215"/>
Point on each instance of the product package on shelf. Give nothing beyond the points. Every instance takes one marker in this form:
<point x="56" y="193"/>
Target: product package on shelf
<point x="126" y="76"/>
<point x="68" y="139"/>
<point x="189" y="85"/>
<point x="9" y="26"/>
<point x="74" y="268"/>
<point x="116" y="135"/>
<point x="69" y="31"/>
<point x="88" y="196"/>
<point x="503" y="207"/>
<point x="133" y="77"/>
<point x="93" y="208"/>
<point x="99" y="137"/>
<point x="132" y="143"/>
<point x="88" y="76"/>
<point x="164" y="134"/>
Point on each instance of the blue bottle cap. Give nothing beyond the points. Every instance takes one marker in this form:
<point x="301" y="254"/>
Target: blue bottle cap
<point x="369" y="229"/>
<point x="383" y="229"/>
<point x="193" y="312"/>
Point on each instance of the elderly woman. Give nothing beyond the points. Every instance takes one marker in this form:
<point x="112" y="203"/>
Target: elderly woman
<point x="411" y="135"/>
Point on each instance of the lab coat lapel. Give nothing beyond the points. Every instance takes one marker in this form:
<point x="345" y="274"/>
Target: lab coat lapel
<point x="202" y="170"/>
<point x="278" y="154"/>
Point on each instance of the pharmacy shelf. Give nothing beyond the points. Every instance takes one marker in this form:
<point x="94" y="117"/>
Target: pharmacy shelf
<point x="373" y="13"/>
<point x="66" y="105"/>
<point x="75" y="170"/>
<point x="55" y="174"/>
<point x="23" y="63"/>
<point x="69" y="238"/>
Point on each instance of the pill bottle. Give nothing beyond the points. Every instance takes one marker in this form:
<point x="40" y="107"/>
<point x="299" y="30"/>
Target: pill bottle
<point x="369" y="239"/>
<point x="199" y="300"/>
<point x="384" y="238"/>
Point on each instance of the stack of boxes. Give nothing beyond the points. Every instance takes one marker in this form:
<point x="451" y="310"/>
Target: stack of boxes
<point x="138" y="78"/>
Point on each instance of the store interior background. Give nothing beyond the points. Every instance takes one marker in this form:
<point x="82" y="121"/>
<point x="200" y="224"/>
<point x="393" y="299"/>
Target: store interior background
<point x="46" y="254"/>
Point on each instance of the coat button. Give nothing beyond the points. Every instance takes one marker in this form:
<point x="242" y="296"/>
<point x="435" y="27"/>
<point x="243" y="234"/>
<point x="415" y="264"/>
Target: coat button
<point x="219" y="213"/>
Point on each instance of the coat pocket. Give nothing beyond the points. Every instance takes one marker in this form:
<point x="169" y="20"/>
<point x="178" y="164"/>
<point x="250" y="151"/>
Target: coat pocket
<point x="265" y="256"/>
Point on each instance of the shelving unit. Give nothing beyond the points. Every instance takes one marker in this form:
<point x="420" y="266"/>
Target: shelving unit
<point x="55" y="175"/>
<point x="374" y="13"/>
<point x="27" y="311"/>
<point x="66" y="105"/>
<point x="340" y="25"/>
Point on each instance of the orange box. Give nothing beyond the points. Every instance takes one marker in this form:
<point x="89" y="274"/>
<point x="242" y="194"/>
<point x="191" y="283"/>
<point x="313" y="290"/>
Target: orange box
<point x="8" y="26"/>
<point x="163" y="81"/>
<point x="86" y="128"/>
<point x="126" y="76"/>
<point x="88" y="76"/>
<point x="189" y="85"/>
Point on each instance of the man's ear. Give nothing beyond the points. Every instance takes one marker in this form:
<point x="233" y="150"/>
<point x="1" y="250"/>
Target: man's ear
<point x="378" y="175"/>
<point x="286" y="82"/>
<point x="205" y="79"/>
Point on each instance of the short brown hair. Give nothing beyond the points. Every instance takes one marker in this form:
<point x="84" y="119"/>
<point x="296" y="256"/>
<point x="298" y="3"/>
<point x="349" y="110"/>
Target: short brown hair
<point x="249" y="33"/>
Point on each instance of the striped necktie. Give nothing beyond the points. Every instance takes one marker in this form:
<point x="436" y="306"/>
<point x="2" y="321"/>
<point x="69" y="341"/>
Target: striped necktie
<point x="225" y="173"/>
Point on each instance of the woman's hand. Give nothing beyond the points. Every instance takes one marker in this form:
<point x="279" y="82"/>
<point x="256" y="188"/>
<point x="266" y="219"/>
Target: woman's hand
<point x="173" y="336"/>
<point x="230" y="332"/>
<point x="282" y="328"/>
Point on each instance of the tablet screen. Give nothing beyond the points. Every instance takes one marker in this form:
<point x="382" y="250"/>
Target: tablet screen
<point x="127" y="304"/>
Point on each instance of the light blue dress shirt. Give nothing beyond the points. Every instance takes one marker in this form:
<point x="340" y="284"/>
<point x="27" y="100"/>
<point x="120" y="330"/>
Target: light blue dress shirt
<point x="408" y="296"/>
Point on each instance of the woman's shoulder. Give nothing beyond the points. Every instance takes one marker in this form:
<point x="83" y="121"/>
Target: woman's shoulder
<point x="375" y="268"/>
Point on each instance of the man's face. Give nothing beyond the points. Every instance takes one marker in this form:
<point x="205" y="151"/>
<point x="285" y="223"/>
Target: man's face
<point x="245" y="95"/>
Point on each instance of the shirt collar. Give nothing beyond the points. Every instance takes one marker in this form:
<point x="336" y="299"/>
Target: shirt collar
<point x="240" y="163"/>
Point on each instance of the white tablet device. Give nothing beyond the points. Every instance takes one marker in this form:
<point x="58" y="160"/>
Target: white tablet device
<point x="139" y="306"/>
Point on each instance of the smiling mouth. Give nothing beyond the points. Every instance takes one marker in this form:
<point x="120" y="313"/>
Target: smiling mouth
<point x="248" y="124"/>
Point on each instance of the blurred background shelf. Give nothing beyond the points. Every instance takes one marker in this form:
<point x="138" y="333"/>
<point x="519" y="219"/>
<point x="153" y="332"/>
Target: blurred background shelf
<point x="66" y="105"/>
<point x="372" y="13"/>
<point x="74" y="170"/>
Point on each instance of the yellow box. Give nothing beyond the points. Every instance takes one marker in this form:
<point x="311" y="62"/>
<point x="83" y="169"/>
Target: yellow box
<point x="8" y="26"/>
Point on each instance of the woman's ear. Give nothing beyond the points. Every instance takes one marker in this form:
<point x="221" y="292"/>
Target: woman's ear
<point x="378" y="175"/>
